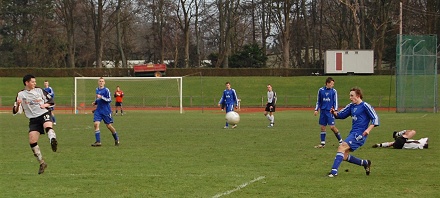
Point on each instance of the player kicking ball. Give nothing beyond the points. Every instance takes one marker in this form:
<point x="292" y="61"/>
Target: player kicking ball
<point x="364" y="119"/>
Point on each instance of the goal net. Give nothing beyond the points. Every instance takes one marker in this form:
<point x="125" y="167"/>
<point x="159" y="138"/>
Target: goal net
<point x="139" y="92"/>
<point x="416" y="74"/>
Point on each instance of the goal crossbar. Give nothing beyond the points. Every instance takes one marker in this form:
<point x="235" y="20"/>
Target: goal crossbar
<point x="140" y="79"/>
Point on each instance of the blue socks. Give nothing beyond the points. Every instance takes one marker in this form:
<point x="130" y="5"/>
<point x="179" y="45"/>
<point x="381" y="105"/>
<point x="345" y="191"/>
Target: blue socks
<point x="354" y="160"/>
<point x="338" y="160"/>
<point x="98" y="136"/>
<point x="323" y="134"/>
<point x="338" y="136"/>
<point x="115" y="135"/>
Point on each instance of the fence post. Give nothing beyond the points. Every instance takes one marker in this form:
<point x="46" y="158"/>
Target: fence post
<point x="310" y="100"/>
<point x="380" y="101"/>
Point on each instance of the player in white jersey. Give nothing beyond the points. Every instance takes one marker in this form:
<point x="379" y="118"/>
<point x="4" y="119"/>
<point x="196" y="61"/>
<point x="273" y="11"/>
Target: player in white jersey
<point x="36" y="103"/>
<point x="270" y="105"/>
<point x="402" y="140"/>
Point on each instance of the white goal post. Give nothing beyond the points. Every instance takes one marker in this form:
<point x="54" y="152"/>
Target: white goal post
<point x="139" y="92"/>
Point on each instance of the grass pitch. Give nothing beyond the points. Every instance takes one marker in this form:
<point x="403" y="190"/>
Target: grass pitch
<point x="167" y="154"/>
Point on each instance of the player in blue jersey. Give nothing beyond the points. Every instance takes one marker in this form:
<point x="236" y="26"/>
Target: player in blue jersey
<point x="103" y="111"/>
<point x="49" y="90"/>
<point x="364" y="119"/>
<point x="229" y="101"/>
<point x="327" y="99"/>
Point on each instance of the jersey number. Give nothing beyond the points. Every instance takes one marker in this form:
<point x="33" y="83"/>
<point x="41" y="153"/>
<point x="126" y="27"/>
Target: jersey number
<point x="46" y="117"/>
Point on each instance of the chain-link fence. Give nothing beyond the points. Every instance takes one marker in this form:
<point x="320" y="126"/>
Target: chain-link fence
<point x="416" y="73"/>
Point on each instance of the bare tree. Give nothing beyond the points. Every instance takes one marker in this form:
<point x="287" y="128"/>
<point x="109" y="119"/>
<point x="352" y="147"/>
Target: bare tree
<point x="101" y="12"/>
<point x="282" y="23"/>
<point x="119" y="34"/>
<point x="354" y="6"/>
<point x="65" y="9"/>
<point x="306" y="30"/>
<point x="380" y="19"/>
<point x="184" y="15"/>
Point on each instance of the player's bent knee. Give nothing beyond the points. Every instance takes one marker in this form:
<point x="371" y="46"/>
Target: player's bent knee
<point x="344" y="147"/>
<point x="47" y="129"/>
<point x="345" y="156"/>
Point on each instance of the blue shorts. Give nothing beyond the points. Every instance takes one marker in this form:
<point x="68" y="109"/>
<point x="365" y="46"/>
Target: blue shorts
<point x="98" y="117"/>
<point x="355" y="140"/>
<point x="229" y="107"/>
<point x="326" y="118"/>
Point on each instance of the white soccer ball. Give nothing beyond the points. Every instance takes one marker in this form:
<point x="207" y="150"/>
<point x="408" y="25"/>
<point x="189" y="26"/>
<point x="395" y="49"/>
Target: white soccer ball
<point x="232" y="117"/>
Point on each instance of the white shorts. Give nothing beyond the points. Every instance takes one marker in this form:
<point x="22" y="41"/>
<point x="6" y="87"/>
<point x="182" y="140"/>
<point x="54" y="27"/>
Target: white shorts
<point x="413" y="145"/>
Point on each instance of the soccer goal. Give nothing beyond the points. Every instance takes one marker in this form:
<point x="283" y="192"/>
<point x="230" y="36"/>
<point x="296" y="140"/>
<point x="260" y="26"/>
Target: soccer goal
<point x="139" y="92"/>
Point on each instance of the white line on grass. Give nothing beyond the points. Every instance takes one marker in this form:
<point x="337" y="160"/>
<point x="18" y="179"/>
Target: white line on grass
<point x="239" y="187"/>
<point x="116" y="174"/>
<point x="424" y="115"/>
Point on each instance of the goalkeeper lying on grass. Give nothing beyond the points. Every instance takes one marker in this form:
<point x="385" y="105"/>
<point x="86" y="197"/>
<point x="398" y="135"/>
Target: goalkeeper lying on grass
<point x="402" y="140"/>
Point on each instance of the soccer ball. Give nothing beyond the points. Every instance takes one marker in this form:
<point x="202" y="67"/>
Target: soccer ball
<point x="232" y="117"/>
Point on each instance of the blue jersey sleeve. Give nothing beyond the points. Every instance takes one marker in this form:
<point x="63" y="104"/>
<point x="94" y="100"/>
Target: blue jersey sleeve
<point x="372" y="114"/>
<point x="235" y="97"/>
<point x="318" y="100"/>
<point x="345" y="112"/>
<point x="106" y="95"/>
<point x="335" y="100"/>
<point x="50" y="91"/>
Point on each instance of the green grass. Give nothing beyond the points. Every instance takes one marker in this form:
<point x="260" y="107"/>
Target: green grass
<point x="292" y="91"/>
<point x="167" y="154"/>
<point x="301" y="91"/>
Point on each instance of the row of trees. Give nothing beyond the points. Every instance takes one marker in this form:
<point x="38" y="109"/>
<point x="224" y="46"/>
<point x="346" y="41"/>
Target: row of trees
<point x="231" y="33"/>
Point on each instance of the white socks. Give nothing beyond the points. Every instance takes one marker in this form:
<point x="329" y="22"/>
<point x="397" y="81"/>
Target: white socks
<point x="37" y="153"/>
<point x="385" y="144"/>
<point x="51" y="134"/>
